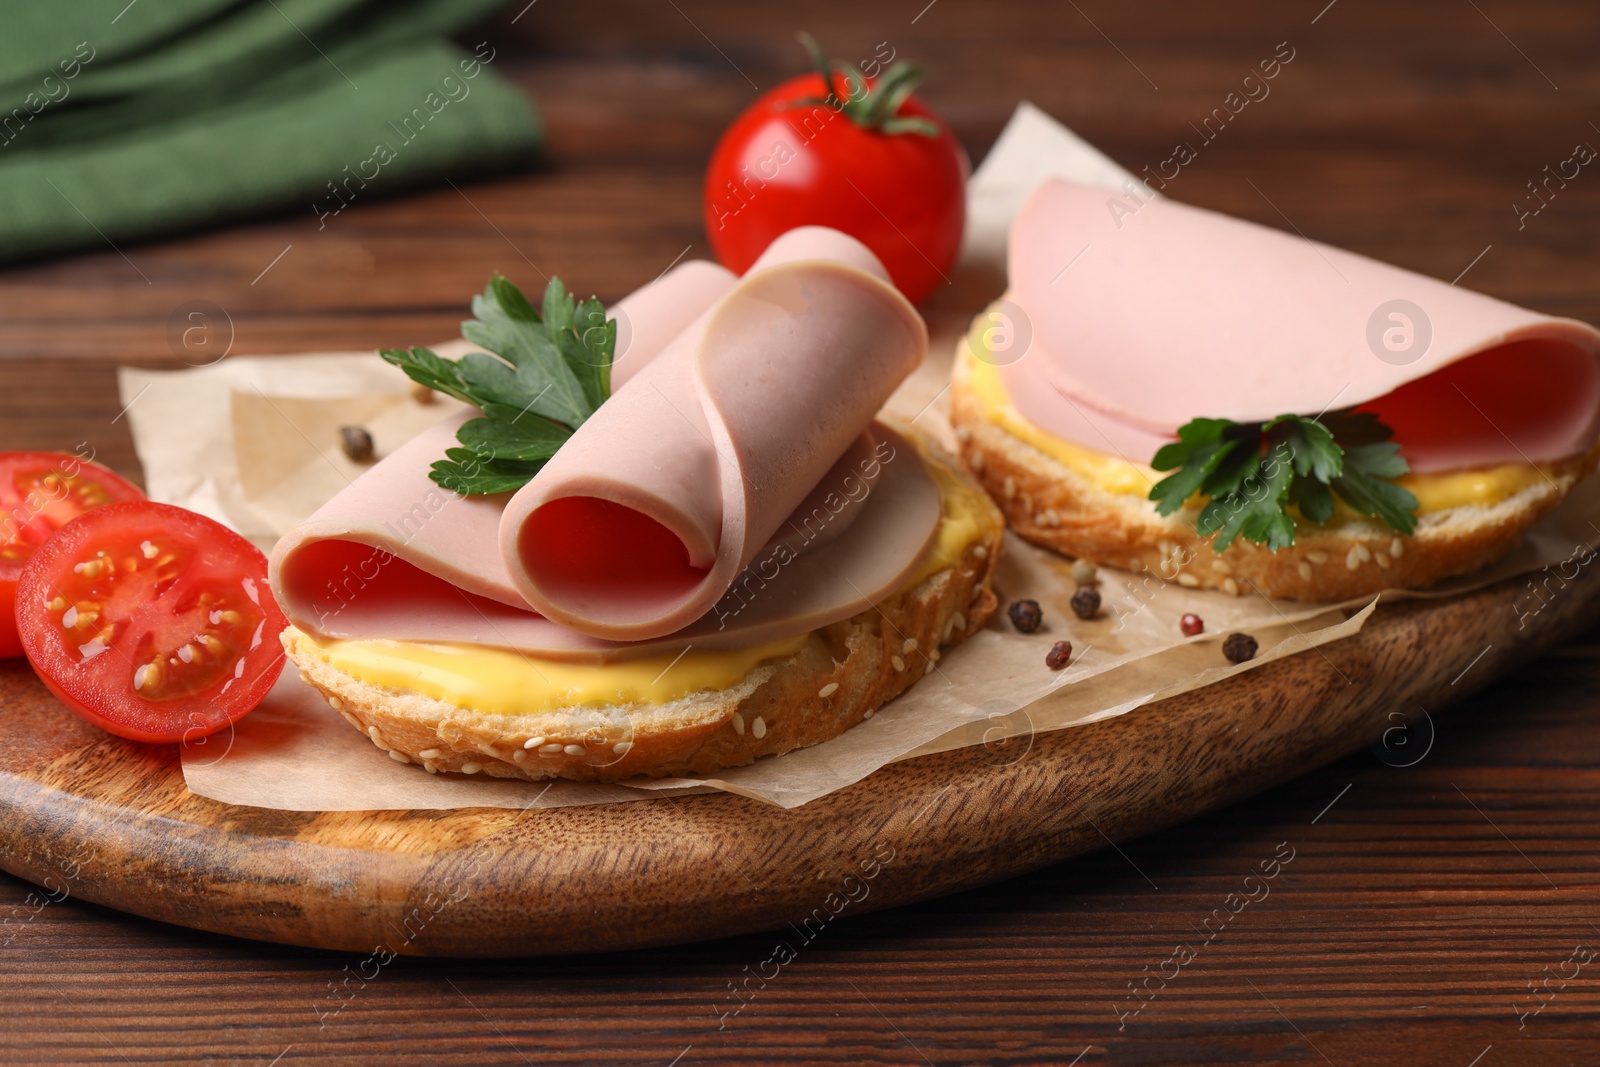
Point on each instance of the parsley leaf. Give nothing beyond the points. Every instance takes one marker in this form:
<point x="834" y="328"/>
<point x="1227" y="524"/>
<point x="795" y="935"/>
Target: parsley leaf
<point x="543" y="373"/>
<point x="1252" y="475"/>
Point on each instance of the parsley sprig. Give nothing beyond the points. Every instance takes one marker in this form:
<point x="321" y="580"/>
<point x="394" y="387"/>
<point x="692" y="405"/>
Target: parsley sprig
<point x="549" y="371"/>
<point x="1253" y="474"/>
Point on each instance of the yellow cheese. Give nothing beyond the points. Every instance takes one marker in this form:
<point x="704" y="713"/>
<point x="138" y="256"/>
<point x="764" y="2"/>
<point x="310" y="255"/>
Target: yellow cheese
<point x="1434" y="492"/>
<point x="509" y="683"/>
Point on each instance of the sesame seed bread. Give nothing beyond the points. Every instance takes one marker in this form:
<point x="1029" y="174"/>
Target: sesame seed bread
<point x="843" y="674"/>
<point x="1051" y="505"/>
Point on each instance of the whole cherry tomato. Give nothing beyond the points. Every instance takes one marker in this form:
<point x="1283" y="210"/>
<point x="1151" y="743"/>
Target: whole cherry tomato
<point x="841" y="149"/>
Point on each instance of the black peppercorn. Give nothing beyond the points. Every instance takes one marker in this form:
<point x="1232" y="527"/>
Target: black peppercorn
<point x="1086" y="602"/>
<point x="1025" y="615"/>
<point x="1058" y="656"/>
<point x="356" y="442"/>
<point x="1239" y="648"/>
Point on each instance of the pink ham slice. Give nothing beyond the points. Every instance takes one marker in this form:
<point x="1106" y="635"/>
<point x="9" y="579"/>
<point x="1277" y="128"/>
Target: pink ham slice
<point x="1174" y="312"/>
<point x="641" y="522"/>
<point x="395" y="556"/>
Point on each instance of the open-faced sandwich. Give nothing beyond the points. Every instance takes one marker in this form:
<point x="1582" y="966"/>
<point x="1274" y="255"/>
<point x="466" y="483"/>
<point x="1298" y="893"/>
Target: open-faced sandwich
<point x="1170" y="389"/>
<point x="727" y="557"/>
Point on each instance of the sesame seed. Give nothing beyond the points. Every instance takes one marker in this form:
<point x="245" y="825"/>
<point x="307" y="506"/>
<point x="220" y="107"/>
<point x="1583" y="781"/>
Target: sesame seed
<point x="1362" y="551"/>
<point x="928" y="669"/>
<point x="398" y="756"/>
<point x="622" y="748"/>
<point x="1221" y="566"/>
<point x="352" y="720"/>
<point x="1009" y="488"/>
<point x="908" y="645"/>
<point x="429" y="753"/>
<point x="828" y="690"/>
<point x="575" y="750"/>
<point x="489" y="750"/>
<point x="1317" y="557"/>
<point x="430" y="768"/>
<point x="335" y="703"/>
<point x="868" y="715"/>
<point x="980" y="552"/>
<point x="977" y="592"/>
<point x="1230" y="587"/>
<point x="519" y="755"/>
<point x="533" y="742"/>
<point x="963" y="433"/>
<point x="1383" y="560"/>
<point x="933" y="655"/>
<point x="1188" y="581"/>
<point x="759" y="728"/>
<point x="1396" y="547"/>
<point x="899" y="664"/>
<point x="377" y="738"/>
<point x="968" y="574"/>
<point x="1352" y="559"/>
<point x="1027" y="505"/>
<point x="1305" y="570"/>
<point x="471" y="768"/>
<point x="551" y="749"/>
<point x="738" y="724"/>
<point x="960" y="621"/>
<point x="976" y="462"/>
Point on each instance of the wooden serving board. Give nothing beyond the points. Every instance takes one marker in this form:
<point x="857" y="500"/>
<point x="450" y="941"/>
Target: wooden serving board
<point x="110" y="821"/>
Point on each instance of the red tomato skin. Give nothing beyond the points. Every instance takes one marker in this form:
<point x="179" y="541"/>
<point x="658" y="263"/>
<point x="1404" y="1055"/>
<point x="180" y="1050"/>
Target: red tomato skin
<point x="70" y="688"/>
<point x="779" y="167"/>
<point x="120" y="488"/>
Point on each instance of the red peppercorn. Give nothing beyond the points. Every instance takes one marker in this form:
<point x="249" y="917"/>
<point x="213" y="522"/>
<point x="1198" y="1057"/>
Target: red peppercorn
<point x="1191" y="624"/>
<point x="1058" y="656"/>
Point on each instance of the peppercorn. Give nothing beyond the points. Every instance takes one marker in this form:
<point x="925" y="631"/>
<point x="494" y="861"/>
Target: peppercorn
<point x="1025" y="615"/>
<point x="422" y="394"/>
<point x="1086" y="602"/>
<point x="1059" y="654"/>
<point x="356" y="442"/>
<point x="1083" y="572"/>
<point x="1191" y="624"/>
<point x="1239" y="648"/>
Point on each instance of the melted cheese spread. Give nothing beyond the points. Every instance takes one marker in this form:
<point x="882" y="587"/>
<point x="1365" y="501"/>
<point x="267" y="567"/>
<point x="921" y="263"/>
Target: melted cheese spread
<point x="1434" y="492"/>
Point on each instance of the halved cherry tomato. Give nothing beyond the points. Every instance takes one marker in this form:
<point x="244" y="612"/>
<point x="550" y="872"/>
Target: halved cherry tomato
<point x="39" y="493"/>
<point x="150" y="621"/>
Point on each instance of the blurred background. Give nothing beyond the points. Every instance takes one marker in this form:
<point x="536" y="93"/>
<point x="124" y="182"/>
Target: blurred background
<point x="1405" y="131"/>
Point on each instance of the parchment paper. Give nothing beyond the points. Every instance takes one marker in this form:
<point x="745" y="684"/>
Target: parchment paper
<point x="254" y="443"/>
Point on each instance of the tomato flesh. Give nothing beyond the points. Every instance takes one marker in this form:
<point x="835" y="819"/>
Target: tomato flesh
<point x="784" y="164"/>
<point x="39" y="493"/>
<point x="150" y="621"/>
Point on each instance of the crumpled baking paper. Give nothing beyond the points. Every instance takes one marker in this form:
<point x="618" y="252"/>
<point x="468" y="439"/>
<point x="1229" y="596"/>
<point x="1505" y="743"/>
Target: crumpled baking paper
<point x="254" y="443"/>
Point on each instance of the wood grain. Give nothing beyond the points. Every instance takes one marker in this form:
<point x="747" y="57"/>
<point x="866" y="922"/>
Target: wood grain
<point x="1410" y="922"/>
<point x="110" y="821"/>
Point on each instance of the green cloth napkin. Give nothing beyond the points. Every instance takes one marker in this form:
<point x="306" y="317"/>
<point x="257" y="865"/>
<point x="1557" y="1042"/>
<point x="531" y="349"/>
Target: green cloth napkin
<point x="125" y="121"/>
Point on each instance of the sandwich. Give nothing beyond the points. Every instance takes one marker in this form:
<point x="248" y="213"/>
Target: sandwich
<point x="1170" y="390"/>
<point x="667" y="540"/>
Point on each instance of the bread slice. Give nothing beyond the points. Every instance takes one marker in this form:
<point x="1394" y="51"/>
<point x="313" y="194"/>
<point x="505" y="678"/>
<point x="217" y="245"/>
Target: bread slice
<point x="1051" y="505"/>
<point x="843" y="674"/>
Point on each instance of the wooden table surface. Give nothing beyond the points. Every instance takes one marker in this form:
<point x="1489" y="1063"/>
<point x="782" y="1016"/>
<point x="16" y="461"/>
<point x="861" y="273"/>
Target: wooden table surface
<point x="1445" y="912"/>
